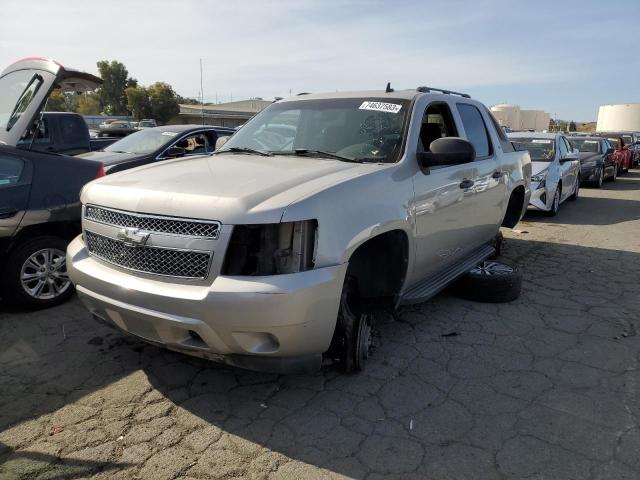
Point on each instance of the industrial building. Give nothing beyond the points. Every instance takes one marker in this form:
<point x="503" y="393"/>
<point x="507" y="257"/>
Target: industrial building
<point x="624" y="117"/>
<point x="511" y="116"/>
<point x="231" y="114"/>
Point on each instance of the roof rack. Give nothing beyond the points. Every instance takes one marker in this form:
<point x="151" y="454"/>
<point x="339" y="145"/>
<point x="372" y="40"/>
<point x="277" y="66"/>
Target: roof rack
<point x="448" y="92"/>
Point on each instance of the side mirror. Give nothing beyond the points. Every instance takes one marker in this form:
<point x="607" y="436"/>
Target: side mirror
<point x="446" y="151"/>
<point x="221" y="141"/>
<point x="576" y="152"/>
<point x="174" y="152"/>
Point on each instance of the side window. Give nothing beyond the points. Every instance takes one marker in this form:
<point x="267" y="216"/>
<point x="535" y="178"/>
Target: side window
<point x="475" y="128"/>
<point x="10" y="170"/>
<point x="197" y="144"/>
<point x="570" y="146"/>
<point x="506" y="145"/>
<point x="72" y="129"/>
<point x="562" y="147"/>
<point x="437" y="122"/>
<point x="40" y="129"/>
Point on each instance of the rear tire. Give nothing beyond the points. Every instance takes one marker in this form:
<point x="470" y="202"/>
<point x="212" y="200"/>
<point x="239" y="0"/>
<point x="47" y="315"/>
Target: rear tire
<point x="491" y="282"/>
<point x="35" y="275"/>
<point x="600" y="180"/>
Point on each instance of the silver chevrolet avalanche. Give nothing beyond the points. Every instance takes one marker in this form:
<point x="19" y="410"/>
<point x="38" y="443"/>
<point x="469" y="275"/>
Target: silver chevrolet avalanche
<point x="274" y="251"/>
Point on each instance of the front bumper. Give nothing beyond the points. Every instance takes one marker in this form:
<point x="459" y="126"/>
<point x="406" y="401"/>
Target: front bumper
<point x="279" y="323"/>
<point x="589" y="173"/>
<point x="539" y="198"/>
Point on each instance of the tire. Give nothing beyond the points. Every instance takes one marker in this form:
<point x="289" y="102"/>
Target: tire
<point x="36" y="275"/>
<point x="491" y="282"/>
<point x="555" y="206"/>
<point x="576" y="190"/>
<point x="615" y="174"/>
<point x="353" y="338"/>
<point x="598" y="183"/>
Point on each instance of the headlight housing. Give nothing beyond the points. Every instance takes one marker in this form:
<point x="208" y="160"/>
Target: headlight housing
<point x="271" y="249"/>
<point x="540" y="178"/>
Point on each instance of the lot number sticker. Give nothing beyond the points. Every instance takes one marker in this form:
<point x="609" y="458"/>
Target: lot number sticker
<point x="381" y="107"/>
<point x="170" y="134"/>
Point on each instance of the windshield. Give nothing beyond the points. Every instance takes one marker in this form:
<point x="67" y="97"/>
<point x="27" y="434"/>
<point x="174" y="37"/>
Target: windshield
<point x="363" y="129"/>
<point x="540" y="149"/>
<point x="592" y="146"/>
<point x="17" y="89"/>
<point x="142" y="142"/>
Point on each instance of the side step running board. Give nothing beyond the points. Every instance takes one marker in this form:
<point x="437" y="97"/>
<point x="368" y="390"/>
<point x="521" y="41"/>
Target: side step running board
<point x="427" y="288"/>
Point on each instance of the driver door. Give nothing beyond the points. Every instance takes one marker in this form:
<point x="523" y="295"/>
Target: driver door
<point x="441" y="205"/>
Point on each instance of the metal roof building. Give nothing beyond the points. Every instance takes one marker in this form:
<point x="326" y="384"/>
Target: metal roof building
<point x="231" y="114"/>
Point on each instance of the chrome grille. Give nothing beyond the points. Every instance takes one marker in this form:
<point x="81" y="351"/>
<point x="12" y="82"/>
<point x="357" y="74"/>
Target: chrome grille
<point x="153" y="223"/>
<point x="155" y="260"/>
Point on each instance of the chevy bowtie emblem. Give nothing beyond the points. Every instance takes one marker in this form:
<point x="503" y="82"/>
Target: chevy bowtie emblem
<point x="133" y="237"/>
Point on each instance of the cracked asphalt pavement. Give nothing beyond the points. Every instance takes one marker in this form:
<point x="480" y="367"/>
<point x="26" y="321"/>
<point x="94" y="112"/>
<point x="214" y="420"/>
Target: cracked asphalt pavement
<point x="545" y="387"/>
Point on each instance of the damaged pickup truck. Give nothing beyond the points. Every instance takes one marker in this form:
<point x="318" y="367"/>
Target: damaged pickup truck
<point x="272" y="253"/>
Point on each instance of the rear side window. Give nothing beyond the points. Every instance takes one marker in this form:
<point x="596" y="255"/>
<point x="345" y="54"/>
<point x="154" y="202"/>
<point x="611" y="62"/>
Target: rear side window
<point x="10" y="170"/>
<point x="475" y="129"/>
<point x="17" y="90"/>
<point x="72" y="129"/>
<point x="507" y="146"/>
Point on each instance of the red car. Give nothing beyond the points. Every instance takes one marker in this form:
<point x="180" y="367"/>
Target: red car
<point x="621" y="154"/>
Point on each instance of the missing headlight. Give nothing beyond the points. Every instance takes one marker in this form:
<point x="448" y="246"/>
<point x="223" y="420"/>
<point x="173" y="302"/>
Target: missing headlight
<point x="271" y="249"/>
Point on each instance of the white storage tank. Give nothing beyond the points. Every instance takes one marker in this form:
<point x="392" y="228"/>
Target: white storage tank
<point x="620" y="117"/>
<point x="507" y="115"/>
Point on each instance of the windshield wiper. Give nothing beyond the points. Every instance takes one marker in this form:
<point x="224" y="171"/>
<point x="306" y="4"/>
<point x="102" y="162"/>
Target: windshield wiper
<point x="245" y="150"/>
<point x="321" y="153"/>
<point x="119" y="151"/>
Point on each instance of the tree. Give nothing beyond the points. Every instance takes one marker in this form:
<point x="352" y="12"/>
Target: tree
<point x="115" y="78"/>
<point x="164" y="104"/>
<point x="89" y="104"/>
<point x="138" y="102"/>
<point x="56" y="102"/>
<point x="186" y="101"/>
<point x="572" y="126"/>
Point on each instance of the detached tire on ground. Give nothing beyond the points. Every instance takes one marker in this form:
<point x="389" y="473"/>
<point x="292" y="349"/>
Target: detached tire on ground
<point x="492" y="281"/>
<point x="35" y="275"/>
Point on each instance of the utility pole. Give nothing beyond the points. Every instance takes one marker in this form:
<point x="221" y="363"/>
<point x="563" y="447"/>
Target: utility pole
<point x="201" y="94"/>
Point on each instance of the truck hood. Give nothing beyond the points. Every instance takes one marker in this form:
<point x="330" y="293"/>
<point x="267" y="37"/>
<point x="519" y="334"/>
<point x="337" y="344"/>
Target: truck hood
<point x="230" y="188"/>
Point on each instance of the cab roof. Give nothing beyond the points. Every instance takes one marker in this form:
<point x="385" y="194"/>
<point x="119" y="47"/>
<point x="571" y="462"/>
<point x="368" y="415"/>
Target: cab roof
<point x="408" y="94"/>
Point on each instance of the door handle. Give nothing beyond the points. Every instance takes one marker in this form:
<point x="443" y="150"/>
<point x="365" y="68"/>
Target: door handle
<point x="496" y="175"/>
<point x="466" y="183"/>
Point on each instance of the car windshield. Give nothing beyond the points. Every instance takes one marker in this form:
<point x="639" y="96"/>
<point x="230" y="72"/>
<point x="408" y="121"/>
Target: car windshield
<point x="540" y="149"/>
<point x="357" y="129"/>
<point x="143" y="142"/>
<point x="592" y="146"/>
<point x="613" y="142"/>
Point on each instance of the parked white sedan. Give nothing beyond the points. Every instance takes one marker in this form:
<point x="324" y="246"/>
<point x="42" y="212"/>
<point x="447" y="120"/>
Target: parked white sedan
<point x="555" y="169"/>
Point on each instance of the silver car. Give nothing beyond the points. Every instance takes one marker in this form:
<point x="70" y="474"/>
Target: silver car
<point x="556" y="169"/>
<point x="271" y="252"/>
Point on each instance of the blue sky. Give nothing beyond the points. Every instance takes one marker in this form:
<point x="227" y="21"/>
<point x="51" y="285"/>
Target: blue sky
<point x="566" y="57"/>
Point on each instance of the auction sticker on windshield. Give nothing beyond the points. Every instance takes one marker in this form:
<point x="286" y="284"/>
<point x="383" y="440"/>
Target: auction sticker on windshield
<point x="381" y="107"/>
<point x="536" y="140"/>
<point x="169" y="134"/>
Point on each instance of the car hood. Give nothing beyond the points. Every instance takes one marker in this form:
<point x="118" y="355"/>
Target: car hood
<point x="110" y="158"/>
<point x="587" y="156"/>
<point x="537" y="167"/>
<point x="231" y="188"/>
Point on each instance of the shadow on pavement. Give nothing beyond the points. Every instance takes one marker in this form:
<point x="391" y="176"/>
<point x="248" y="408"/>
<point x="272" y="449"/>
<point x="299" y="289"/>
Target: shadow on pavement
<point x="447" y="380"/>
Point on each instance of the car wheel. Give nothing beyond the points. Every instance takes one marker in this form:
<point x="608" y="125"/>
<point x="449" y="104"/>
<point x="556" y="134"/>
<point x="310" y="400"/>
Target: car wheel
<point x="615" y="174"/>
<point x="491" y="282"/>
<point x="576" y="190"/>
<point x="36" y="273"/>
<point x="355" y="329"/>
<point x="555" y="206"/>
<point x="600" y="178"/>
